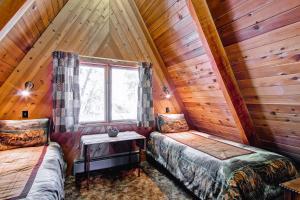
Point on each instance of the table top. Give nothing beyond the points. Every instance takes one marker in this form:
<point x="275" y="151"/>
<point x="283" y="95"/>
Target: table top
<point x="293" y="185"/>
<point x="104" y="138"/>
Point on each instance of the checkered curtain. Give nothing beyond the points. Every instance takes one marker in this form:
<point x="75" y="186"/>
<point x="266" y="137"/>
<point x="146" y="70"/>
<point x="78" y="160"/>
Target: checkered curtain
<point x="145" y="114"/>
<point x="66" y="97"/>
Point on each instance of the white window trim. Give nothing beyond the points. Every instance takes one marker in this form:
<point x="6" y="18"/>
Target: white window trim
<point x="107" y="95"/>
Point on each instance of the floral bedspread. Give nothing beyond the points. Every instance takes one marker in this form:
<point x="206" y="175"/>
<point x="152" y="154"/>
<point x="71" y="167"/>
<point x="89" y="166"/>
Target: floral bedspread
<point x="253" y="176"/>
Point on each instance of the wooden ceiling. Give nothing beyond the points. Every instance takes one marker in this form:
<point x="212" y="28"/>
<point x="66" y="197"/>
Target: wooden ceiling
<point x="24" y="33"/>
<point x="7" y="9"/>
<point x="261" y="40"/>
<point x="175" y="35"/>
<point x="93" y="28"/>
<point x="221" y="66"/>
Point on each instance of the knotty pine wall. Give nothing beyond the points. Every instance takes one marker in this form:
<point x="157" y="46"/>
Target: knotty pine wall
<point x="7" y="10"/>
<point x="25" y="32"/>
<point x="101" y="28"/>
<point x="174" y="33"/>
<point x="104" y="28"/>
<point x="262" y="41"/>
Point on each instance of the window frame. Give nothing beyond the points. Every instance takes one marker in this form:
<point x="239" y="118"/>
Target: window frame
<point x="108" y="93"/>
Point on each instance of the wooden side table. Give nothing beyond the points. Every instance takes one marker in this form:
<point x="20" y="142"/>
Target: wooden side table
<point x="291" y="189"/>
<point x="88" y="140"/>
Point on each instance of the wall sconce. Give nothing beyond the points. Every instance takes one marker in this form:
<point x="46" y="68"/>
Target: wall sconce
<point x="167" y="92"/>
<point x="28" y="87"/>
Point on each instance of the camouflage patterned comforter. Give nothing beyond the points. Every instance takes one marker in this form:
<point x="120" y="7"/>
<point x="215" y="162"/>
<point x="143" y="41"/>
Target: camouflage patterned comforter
<point x="253" y="176"/>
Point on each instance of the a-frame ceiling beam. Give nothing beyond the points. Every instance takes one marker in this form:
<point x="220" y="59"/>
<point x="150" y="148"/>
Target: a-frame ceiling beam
<point x="222" y="68"/>
<point x="16" y="17"/>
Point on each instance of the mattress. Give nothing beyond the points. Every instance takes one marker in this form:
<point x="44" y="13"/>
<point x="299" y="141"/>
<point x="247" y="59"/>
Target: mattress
<point x="256" y="175"/>
<point x="32" y="173"/>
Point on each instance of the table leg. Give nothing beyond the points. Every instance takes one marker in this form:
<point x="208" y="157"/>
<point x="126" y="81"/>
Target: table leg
<point x="77" y="181"/>
<point x="87" y="165"/>
<point x="130" y="151"/>
<point x="140" y="155"/>
<point x="89" y="162"/>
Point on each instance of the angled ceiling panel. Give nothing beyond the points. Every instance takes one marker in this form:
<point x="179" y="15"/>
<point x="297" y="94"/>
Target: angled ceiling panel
<point x="22" y="34"/>
<point x="7" y="9"/>
<point x="262" y="41"/>
<point x="101" y="28"/>
<point x="175" y="35"/>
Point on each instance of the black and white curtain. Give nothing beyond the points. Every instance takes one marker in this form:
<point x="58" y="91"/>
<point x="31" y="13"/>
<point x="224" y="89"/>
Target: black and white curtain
<point x="145" y="114"/>
<point x="66" y="97"/>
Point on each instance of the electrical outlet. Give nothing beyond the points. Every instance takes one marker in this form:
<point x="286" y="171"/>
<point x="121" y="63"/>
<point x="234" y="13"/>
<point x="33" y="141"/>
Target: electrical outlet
<point x="24" y="114"/>
<point x="167" y="109"/>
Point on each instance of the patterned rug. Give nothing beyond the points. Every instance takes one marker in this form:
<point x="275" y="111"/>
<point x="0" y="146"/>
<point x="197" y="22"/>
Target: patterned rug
<point x="154" y="183"/>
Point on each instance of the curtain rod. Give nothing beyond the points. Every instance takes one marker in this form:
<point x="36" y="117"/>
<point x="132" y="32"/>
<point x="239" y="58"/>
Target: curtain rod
<point x="110" y="61"/>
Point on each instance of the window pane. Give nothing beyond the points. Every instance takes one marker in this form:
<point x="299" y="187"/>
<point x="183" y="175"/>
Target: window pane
<point x="92" y="93"/>
<point x="124" y="94"/>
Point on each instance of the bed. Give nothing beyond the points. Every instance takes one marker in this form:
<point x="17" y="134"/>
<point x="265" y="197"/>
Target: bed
<point x="30" y="171"/>
<point x="242" y="172"/>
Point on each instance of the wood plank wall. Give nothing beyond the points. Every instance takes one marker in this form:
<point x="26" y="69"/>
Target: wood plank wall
<point x="94" y="28"/>
<point x="7" y="9"/>
<point x="104" y="28"/>
<point x="25" y="33"/>
<point x="174" y="33"/>
<point x="262" y="40"/>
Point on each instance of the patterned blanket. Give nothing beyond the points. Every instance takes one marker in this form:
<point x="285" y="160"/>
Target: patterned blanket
<point x="32" y="173"/>
<point x="252" y="176"/>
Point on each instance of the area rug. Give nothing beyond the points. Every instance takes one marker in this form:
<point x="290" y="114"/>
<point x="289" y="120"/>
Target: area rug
<point x="116" y="184"/>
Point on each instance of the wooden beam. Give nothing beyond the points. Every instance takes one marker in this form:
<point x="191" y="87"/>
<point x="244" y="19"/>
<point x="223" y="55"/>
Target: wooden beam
<point x="17" y="16"/>
<point x="221" y="66"/>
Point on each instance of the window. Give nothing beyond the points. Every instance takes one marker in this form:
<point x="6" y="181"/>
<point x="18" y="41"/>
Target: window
<point x="92" y="93"/>
<point x="108" y="93"/>
<point x="124" y="94"/>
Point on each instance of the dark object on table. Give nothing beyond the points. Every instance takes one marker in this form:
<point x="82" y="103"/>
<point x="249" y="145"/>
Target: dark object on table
<point x="112" y="131"/>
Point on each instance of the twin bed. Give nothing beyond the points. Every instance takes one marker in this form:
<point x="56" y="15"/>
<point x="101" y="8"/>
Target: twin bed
<point x="213" y="168"/>
<point x="31" y="167"/>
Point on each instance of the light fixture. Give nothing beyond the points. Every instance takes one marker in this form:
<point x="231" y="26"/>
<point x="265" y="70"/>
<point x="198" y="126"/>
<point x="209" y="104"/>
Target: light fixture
<point x="25" y="93"/>
<point x="28" y="87"/>
<point x="167" y="92"/>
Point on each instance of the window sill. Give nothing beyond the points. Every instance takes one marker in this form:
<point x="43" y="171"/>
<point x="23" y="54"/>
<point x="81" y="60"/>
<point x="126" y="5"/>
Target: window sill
<point x="113" y="123"/>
